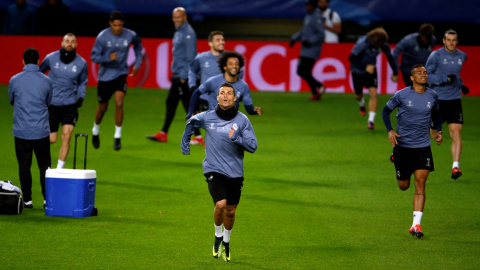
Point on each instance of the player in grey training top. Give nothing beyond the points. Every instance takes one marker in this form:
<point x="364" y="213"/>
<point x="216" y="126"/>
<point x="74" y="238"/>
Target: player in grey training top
<point x="228" y="134"/>
<point x="415" y="49"/>
<point x="444" y="66"/>
<point x="69" y="74"/>
<point x="417" y="107"/>
<point x="110" y="50"/>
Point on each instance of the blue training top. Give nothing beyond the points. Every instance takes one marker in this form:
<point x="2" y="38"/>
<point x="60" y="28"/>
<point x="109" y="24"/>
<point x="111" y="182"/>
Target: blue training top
<point x="414" y="116"/>
<point x="107" y="43"/>
<point x="68" y="79"/>
<point x="364" y="53"/>
<point x="184" y="50"/>
<point x="223" y="155"/>
<point x="440" y="64"/>
<point x="30" y="92"/>
<point x="313" y="32"/>
<point x="413" y="51"/>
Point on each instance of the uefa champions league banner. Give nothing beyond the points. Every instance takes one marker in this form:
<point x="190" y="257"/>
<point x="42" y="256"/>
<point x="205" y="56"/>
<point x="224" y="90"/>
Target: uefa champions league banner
<point x="269" y="66"/>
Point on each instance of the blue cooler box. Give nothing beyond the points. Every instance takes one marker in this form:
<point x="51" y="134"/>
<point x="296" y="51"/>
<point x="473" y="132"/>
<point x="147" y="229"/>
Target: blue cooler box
<point x="70" y="193"/>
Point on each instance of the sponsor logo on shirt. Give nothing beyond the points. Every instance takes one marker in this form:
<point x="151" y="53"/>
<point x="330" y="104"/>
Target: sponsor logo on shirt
<point x="429" y="105"/>
<point x="410" y="103"/>
<point x="207" y="65"/>
<point x="57" y="65"/>
<point x="109" y="44"/>
<point x="212" y="126"/>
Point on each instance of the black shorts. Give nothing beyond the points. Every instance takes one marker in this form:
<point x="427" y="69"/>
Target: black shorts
<point x="67" y="115"/>
<point x="106" y="89"/>
<point x="408" y="160"/>
<point x="451" y="111"/>
<point x="364" y="80"/>
<point x="223" y="187"/>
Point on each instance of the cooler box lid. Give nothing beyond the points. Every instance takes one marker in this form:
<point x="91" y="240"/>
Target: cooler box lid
<point x="70" y="174"/>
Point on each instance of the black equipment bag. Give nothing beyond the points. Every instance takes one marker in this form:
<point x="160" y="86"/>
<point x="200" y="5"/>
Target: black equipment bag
<point x="11" y="203"/>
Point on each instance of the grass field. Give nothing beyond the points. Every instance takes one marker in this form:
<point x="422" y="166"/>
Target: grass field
<point x="319" y="193"/>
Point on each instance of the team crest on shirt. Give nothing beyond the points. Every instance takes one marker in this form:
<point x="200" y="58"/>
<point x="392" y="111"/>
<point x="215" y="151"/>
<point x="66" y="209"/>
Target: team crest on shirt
<point x="207" y="65"/>
<point x="125" y="43"/>
<point x="74" y="68"/>
<point x="212" y="126"/>
<point x="235" y="126"/>
<point x="429" y="105"/>
<point x="410" y="103"/>
<point x="188" y="36"/>
<point x="460" y="61"/>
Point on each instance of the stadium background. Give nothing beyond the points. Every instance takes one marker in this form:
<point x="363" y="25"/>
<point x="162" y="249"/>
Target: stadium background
<point x="261" y="31"/>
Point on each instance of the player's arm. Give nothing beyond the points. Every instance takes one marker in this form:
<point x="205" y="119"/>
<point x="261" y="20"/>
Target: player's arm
<point x="193" y="103"/>
<point x="245" y="137"/>
<point x="193" y="72"/>
<point x="193" y="122"/>
<point x="45" y="65"/>
<point x="137" y="48"/>
<point x="399" y="49"/>
<point x="11" y="95"/>
<point x="386" y="50"/>
<point x="98" y="55"/>
<point x="392" y="135"/>
<point x="82" y="85"/>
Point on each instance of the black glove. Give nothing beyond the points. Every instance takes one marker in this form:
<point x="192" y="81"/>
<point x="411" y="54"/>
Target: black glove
<point x="192" y="89"/>
<point x="306" y="43"/>
<point x="451" y="78"/>
<point x="465" y="90"/>
<point x="292" y="42"/>
<point x="79" y="102"/>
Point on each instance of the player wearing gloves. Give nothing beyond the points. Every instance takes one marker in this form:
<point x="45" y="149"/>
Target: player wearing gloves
<point x="228" y="134"/>
<point x="69" y="75"/>
<point x="444" y="66"/>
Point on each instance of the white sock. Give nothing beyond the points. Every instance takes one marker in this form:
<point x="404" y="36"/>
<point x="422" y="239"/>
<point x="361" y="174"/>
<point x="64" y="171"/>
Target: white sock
<point x="226" y="236"/>
<point x="198" y="136"/>
<point x="417" y="217"/>
<point x="95" y="129"/>
<point x="371" y="117"/>
<point x="218" y="230"/>
<point x="361" y="103"/>
<point x="118" y="132"/>
<point x="455" y="165"/>
<point x="60" y="164"/>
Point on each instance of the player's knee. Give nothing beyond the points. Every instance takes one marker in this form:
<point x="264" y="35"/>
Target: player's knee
<point x="230" y="214"/>
<point x="403" y="185"/>
<point x="221" y="205"/>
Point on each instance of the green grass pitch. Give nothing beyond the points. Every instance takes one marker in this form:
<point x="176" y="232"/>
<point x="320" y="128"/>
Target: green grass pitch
<point x="319" y="193"/>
